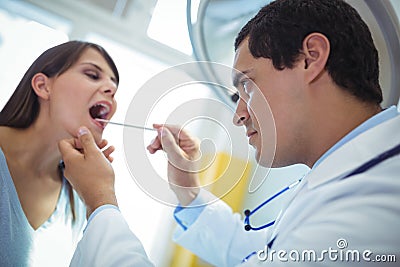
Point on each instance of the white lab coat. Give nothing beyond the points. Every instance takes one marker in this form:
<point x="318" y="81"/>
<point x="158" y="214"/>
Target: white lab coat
<point x="363" y="209"/>
<point x="108" y="241"/>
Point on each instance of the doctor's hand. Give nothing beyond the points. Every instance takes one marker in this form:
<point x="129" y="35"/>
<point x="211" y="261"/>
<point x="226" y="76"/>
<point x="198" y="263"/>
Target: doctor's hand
<point x="88" y="169"/>
<point x="183" y="151"/>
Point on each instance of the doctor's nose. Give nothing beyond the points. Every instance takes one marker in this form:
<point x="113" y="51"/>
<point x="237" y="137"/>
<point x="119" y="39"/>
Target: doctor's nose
<point x="241" y="115"/>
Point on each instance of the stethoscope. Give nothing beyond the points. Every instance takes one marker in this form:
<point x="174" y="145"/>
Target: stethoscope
<point x="248" y="213"/>
<point x="364" y="167"/>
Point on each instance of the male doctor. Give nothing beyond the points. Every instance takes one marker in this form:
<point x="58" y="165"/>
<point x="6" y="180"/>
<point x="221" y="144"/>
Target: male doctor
<point x="315" y="63"/>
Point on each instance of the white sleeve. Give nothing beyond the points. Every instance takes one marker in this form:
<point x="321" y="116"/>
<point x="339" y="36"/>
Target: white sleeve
<point x="108" y="241"/>
<point x="218" y="236"/>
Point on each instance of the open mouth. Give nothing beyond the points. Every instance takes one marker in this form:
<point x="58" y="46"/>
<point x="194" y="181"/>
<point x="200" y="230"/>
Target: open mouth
<point x="100" y="111"/>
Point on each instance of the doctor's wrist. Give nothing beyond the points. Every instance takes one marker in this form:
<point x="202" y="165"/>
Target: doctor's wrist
<point x="98" y="200"/>
<point x="186" y="195"/>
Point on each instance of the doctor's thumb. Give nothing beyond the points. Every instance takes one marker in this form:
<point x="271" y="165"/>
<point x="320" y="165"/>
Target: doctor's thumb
<point x="86" y="139"/>
<point x="169" y="144"/>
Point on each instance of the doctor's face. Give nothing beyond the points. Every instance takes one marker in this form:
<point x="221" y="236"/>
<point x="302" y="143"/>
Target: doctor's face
<point x="269" y="107"/>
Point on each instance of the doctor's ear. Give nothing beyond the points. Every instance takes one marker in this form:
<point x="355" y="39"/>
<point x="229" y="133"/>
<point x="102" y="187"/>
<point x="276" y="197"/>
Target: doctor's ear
<point x="316" y="49"/>
<point x="40" y="84"/>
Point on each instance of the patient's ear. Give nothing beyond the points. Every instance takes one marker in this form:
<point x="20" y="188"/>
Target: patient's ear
<point x="40" y="84"/>
<point x="316" y="49"/>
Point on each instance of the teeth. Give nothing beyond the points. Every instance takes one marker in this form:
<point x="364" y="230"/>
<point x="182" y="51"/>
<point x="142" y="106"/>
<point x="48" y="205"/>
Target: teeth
<point x="99" y="111"/>
<point x="105" y="109"/>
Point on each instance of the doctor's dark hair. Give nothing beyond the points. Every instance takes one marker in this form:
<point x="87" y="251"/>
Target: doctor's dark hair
<point x="22" y="108"/>
<point x="278" y="30"/>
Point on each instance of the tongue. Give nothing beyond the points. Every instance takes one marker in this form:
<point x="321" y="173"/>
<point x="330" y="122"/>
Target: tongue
<point x="95" y="111"/>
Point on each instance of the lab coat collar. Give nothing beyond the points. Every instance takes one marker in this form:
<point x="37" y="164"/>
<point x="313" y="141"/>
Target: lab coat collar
<point x="353" y="154"/>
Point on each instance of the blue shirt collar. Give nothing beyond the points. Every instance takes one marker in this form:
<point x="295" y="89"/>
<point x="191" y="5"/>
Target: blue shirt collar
<point x="379" y="118"/>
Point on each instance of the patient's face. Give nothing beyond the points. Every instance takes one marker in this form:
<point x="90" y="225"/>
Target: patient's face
<point x="83" y="93"/>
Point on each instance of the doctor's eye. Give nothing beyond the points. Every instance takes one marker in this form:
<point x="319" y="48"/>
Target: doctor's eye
<point x="246" y="85"/>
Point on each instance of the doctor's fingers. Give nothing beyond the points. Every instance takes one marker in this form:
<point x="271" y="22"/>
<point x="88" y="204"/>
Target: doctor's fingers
<point x="103" y="143"/>
<point x="78" y="149"/>
<point x="155" y="145"/>
<point x="70" y="154"/>
<point x="88" y="143"/>
<point x="189" y="144"/>
<point x="107" y="153"/>
<point x="161" y="142"/>
<point x="182" y="137"/>
<point x="170" y="146"/>
<point x="68" y="148"/>
<point x="177" y="131"/>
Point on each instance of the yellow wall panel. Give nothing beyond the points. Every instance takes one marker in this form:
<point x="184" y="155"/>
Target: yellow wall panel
<point x="225" y="172"/>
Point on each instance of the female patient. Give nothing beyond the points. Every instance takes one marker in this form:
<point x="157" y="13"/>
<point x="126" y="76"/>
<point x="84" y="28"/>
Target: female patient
<point x="41" y="217"/>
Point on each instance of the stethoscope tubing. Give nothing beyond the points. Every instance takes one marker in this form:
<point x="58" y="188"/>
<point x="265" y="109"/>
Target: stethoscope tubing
<point x="363" y="168"/>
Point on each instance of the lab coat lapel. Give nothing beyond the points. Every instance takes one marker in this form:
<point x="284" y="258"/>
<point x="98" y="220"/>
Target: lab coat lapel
<point x="276" y="225"/>
<point x="359" y="150"/>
